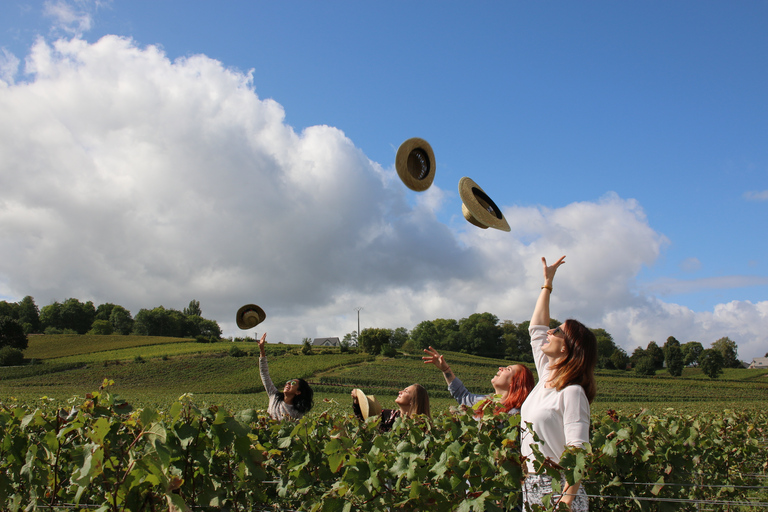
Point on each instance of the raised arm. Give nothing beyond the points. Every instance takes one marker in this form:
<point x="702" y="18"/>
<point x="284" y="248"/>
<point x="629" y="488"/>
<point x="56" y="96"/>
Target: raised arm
<point x="439" y="362"/>
<point x="541" y="311"/>
<point x="262" y="343"/>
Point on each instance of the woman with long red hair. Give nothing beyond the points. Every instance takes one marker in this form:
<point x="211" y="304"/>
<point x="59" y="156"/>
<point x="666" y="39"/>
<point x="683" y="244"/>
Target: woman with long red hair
<point x="512" y="382"/>
<point x="557" y="409"/>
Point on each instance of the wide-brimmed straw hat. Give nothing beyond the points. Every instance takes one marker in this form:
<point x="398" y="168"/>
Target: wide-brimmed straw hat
<point x="369" y="406"/>
<point x="415" y="164"/>
<point x="478" y="208"/>
<point x="250" y="316"/>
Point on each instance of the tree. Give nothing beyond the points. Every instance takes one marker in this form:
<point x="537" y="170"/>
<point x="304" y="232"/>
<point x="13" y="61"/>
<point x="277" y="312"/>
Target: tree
<point x="29" y="315"/>
<point x="306" y="346"/>
<point x="711" y="363"/>
<point x="691" y="352"/>
<point x="372" y="339"/>
<point x="620" y="359"/>
<point x="12" y="334"/>
<point x="425" y="335"/>
<point x="193" y="309"/>
<point x="399" y="336"/>
<point x="101" y="327"/>
<point x="730" y="352"/>
<point x="71" y="314"/>
<point x="673" y="356"/>
<point x="350" y="339"/>
<point x="605" y="348"/>
<point x="636" y="356"/>
<point x="656" y="354"/>
<point x="645" y="366"/>
<point x="482" y="335"/>
<point x="121" y="320"/>
<point x="447" y="328"/>
<point x="516" y="340"/>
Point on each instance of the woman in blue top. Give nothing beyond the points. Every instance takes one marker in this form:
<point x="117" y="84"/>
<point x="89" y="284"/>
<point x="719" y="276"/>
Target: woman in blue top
<point x="512" y="382"/>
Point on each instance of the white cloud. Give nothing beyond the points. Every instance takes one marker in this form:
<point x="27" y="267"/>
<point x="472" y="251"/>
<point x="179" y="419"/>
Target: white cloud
<point x="756" y="195"/>
<point x="9" y="66"/>
<point x="71" y="17"/>
<point x="132" y="179"/>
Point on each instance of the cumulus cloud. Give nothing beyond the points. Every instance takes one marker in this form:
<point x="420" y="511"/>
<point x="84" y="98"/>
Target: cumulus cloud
<point x="133" y="179"/>
<point x="73" y="17"/>
<point x="9" y="65"/>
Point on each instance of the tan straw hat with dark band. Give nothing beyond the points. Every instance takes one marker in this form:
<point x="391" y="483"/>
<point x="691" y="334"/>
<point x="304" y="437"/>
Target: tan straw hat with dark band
<point x="369" y="406"/>
<point x="415" y="164"/>
<point x="478" y="208"/>
<point x="249" y="316"/>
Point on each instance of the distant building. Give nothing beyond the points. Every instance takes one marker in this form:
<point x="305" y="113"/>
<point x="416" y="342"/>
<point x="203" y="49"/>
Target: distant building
<point x="759" y="362"/>
<point x="326" y="342"/>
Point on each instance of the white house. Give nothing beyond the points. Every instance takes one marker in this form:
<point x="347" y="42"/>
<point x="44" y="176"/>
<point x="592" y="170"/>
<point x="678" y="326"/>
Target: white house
<point x="326" y="342"/>
<point x="759" y="362"/>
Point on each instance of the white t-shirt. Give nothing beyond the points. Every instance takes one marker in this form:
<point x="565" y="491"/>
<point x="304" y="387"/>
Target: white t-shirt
<point x="560" y="418"/>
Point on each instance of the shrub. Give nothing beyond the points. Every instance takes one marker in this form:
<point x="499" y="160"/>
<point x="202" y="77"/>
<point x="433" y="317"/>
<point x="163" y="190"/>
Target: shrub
<point x="10" y="356"/>
<point x="645" y="366"/>
<point x="388" y="350"/>
<point x="138" y="359"/>
<point x="234" y="351"/>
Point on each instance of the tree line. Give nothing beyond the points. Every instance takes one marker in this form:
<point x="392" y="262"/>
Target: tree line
<point x="484" y="335"/>
<point x="19" y="319"/>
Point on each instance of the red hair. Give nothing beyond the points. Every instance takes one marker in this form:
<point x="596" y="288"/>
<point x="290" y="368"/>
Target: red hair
<point x="520" y="385"/>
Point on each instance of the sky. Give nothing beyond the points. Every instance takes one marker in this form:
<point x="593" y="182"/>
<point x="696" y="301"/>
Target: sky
<point x="154" y="153"/>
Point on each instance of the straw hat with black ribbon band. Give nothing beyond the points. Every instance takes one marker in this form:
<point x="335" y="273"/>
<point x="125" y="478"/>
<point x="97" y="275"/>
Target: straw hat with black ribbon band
<point x="369" y="406"/>
<point x="250" y="316"/>
<point x="478" y="208"/>
<point x="415" y="164"/>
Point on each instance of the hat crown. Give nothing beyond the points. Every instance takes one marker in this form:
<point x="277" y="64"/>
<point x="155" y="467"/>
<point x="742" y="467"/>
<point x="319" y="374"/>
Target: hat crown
<point x="415" y="164"/>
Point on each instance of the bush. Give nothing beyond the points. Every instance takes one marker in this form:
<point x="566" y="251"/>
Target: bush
<point x="10" y="356"/>
<point x="234" y="351"/>
<point x="138" y="359"/>
<point x="388" y="351"/>
<point x="645" y="366"/>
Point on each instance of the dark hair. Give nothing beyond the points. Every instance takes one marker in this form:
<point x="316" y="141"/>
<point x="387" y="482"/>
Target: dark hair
<point x="302" y="401"/>
<point x="578" y="365"/>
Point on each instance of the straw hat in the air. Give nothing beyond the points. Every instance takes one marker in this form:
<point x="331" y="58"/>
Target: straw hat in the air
<point x="415" y="164"/>
<point x="250" y="316"/>
<point x="478" y="208"/>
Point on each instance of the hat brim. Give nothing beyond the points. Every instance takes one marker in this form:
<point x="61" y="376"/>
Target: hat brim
<point x="249" y="316"/>
<point x="369" y="406"/>
<point x="478" y="208"/>
<point x="415" y="164"/>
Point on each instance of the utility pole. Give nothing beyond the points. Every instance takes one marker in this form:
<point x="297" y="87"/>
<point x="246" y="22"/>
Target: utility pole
<point x="357" y="342"/>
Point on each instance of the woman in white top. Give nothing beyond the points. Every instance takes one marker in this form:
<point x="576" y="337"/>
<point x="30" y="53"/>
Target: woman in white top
<point x="558" y="407"/>
<point x="294" y="401"/>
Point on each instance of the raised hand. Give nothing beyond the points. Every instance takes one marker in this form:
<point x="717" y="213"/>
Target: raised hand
<point x="435" y="358"/>
<point x="262" y="343"/>
<point x="549" y="271"/>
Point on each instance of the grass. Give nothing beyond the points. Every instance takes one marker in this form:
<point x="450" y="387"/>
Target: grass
<point x="154" y="372"/>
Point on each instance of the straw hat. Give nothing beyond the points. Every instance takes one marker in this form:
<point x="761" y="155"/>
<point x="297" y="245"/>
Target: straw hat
<point x="478" y="208"/>
<point x="415" y="164"/>
<point x="369" y="406"/>
<point x="249" y="316"/>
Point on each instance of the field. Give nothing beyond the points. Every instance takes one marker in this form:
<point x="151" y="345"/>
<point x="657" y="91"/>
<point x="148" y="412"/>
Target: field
<point x="680" y="443"/>
<point x="155" y="371"/>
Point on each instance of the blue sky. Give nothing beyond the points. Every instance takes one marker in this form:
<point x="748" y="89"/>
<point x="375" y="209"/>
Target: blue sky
<point x="560" y="110"/>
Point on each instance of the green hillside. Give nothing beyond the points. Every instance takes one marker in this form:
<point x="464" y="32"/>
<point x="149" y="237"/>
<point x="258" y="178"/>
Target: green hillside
<point x="152" y="371"/>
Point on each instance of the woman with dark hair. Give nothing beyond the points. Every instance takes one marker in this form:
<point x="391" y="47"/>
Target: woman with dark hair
<point x="512" y="382"/>
<point x="411" y="401"/>
<point x="558" y="407"/>
<point x="294" y="401"/>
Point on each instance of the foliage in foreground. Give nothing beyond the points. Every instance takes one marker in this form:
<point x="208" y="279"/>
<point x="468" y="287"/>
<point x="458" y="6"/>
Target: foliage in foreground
<point x="102" y="453"/>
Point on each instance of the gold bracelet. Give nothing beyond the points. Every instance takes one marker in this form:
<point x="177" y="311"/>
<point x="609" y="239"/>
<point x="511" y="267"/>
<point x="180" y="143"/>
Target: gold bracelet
<point x="547" y="287"/>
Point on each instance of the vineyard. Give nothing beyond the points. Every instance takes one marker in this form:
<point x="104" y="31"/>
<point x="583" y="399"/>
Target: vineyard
<point x="102" y="453"/>
<point x="183" y="424"/>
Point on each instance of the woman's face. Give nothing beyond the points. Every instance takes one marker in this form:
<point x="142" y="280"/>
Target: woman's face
<point x="406" y="397"/>
<point x="554" y="347"/>
<point x="291" y="388"/>
<point x="503" y="377"/>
